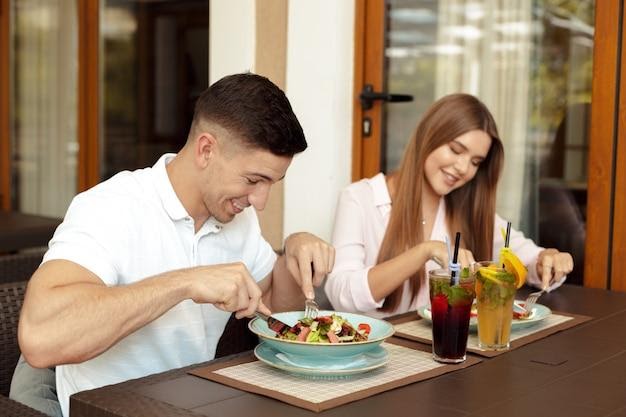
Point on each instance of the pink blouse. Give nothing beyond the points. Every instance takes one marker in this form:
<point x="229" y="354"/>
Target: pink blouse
<point x="360" y="224"/>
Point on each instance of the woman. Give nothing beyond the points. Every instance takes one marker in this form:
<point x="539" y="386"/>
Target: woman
<point x="389" y="230"/>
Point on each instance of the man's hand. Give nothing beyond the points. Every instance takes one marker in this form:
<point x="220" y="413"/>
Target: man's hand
<point x="553" y="265"/>
<point x="229" y="287"/>
<point x="309" y="259"/>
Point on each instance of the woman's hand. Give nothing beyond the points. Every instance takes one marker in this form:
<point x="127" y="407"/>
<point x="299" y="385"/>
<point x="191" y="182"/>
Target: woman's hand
<point x="553" y="265"/>
<point x="438" y="252"/>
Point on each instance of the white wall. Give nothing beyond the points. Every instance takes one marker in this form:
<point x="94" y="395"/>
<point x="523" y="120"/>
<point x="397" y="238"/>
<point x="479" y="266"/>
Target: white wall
<point x="231" y="37"/>
<point x="320" y="55"/>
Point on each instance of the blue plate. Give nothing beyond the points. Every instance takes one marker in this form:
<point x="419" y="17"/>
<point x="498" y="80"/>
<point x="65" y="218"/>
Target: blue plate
<point x="380" y="330"/>
<point x="322" y="367"/>
<point x="539" y="313"/>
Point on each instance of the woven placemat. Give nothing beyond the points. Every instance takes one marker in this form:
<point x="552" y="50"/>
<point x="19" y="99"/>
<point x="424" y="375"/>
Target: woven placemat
<point x="413" y="327"/>
<point x="408" y="362"/>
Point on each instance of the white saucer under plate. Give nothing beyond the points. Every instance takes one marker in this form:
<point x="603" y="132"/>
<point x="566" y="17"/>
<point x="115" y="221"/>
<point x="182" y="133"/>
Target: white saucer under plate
<point x="321" y="366"/>
<point x="538" y="313"/>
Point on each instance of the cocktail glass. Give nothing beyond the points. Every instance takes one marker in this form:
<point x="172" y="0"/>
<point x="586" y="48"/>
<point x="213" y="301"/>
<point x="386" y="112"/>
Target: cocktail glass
<point x="450" y="307"/>
<point x="495" y="292"/>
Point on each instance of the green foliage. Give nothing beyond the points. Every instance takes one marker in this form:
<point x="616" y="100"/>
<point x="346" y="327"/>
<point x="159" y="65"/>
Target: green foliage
<point x="561" y="62"/>
<point x="461" y="294"/>
<point x="497" y="289"/>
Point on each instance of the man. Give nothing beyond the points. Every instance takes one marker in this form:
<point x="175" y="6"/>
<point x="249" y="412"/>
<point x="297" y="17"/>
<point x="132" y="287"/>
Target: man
<point x="143" y="273"/>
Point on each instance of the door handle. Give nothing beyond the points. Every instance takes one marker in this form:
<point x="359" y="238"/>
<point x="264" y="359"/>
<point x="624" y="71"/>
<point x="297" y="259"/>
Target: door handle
<point x="368" y="95"/>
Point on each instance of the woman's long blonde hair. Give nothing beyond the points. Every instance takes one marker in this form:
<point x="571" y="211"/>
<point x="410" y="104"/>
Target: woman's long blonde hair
<point x="470" y="209"/>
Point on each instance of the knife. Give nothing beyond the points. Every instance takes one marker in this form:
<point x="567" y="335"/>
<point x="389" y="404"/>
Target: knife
<point x="274" y="324"/>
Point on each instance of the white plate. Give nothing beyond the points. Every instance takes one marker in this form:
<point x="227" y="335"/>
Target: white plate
<point x="538" y="313"/>
<point x="320" y="366"/>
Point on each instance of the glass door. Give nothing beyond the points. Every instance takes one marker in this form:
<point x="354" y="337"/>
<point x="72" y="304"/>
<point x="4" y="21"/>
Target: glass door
<point x="43" y="101"/>
<point x="90" y="88"/>
<point x="531" y="63"/>
<point x="155" y="58"/>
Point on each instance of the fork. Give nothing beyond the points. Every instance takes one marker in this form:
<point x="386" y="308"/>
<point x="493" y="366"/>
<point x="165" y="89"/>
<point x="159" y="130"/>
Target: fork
<point x="531" y="300"/>
<point x="311" y="309"/>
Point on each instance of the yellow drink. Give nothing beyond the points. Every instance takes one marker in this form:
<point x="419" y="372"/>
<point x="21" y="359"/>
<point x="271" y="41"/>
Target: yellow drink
<point x="495" y="291"/>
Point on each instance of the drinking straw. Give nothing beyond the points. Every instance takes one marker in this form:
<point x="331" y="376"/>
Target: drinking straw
<point x="508" y="234"/>
<point x="455" y="267"/>
<point x="507" y="237"/>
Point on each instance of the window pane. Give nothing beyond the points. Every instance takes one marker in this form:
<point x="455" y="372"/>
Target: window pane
<point x="44" y="97"/>
<point x="531" y="63"/>
<point x="155" y="65"/>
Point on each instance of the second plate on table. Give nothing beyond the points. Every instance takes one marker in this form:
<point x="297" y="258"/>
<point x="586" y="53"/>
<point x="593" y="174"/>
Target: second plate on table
<point x="322" y="366"/>
<point x="539" y="313"/>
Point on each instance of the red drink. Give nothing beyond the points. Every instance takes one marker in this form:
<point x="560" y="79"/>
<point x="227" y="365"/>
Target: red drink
<point x="450" y="309"/>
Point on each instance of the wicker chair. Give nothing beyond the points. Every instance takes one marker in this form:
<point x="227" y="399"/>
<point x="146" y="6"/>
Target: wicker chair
<point x="11" y="298"/>
<point x="20" y="266"/>
<point x="15" y="270"/>
<point x="10" y="408"/>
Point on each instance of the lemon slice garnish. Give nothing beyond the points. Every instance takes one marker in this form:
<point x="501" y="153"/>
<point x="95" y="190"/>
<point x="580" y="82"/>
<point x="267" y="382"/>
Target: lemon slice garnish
<point x="513" y="265"/>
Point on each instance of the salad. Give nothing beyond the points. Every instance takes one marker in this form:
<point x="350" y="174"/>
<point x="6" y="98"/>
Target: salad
<point x="326" y="329"/>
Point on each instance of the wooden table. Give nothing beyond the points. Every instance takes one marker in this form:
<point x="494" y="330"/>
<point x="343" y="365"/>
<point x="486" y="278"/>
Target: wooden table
<point x="577" y="372"/>
<point x="21" y="231"/>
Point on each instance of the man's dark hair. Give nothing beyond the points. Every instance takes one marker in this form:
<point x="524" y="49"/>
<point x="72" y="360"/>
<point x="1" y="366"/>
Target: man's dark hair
<point x="256" y="110"/>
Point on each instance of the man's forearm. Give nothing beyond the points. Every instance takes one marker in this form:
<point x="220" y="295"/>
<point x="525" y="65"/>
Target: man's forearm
<point x="76" y="322"/>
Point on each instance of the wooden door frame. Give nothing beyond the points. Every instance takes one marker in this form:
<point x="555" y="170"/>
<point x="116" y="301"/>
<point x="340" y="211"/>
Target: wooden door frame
<point x="368" y="35"/>
<point x="603" y="134"/>
<point x="88" y="94"/>
<point x="5" y="119"/>
<point x="606" y="208"/>
<point x="617" y="272"/>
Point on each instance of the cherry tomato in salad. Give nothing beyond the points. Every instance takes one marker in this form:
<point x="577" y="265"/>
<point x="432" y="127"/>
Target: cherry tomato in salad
<point x="366" y="328"/>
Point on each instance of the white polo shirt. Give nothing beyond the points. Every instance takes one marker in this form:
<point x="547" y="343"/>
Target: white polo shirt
<point x="133" y="226"/>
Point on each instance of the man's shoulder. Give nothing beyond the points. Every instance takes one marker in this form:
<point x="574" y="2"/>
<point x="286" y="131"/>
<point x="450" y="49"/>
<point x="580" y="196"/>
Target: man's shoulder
<point x="124" y="193"/>
<point x="132" y="185"/>
<point x="127" y="182"/>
